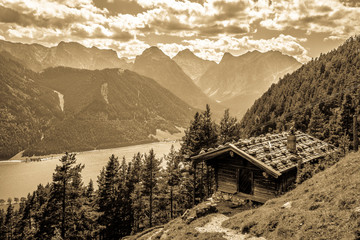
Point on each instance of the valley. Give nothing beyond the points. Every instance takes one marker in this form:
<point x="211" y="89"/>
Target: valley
<point x="209" y="132"/>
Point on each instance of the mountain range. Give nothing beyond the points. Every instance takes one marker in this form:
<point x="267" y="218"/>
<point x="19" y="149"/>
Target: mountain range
<point x="83" y="98"/>
<point x="26" y="107"/>
<point x="237" y="82"/>
<point x="68" y="54"/>
<point x="155" y="64"/>
<point x="192" y="65"/>
<point x="66" y="109"/>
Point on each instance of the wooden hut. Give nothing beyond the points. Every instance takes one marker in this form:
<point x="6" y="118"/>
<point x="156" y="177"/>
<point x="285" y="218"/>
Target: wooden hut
<point x="264" y="167"/>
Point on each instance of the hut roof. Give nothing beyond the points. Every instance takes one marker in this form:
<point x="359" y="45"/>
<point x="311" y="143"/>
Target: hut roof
<point x="270" y="152"/>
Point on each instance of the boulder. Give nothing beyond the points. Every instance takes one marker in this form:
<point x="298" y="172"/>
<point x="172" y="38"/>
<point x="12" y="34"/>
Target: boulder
<point x="286" y="205"/>
<point x="198" y="211"/>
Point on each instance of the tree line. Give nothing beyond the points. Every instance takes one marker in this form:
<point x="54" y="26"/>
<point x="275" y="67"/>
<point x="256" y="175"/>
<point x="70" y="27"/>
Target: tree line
<point x="131" y="195"/>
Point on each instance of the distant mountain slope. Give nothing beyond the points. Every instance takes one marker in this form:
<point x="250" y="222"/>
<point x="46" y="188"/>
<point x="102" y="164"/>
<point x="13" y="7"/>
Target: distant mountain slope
<point x="108" y="108"/>
<point x="155" y="64"/>
<point x="245" y="77"/>
<point x="192" y="65"/>
<point x="319" y="97"/>
<point x="26" y="108"/>
<point x="37" y="57"/>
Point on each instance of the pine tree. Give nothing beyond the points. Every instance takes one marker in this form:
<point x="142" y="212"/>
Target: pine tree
<point x="316" y="125"/>
<point x="138" y="206"/>
<point x="64" y="207"/>
<point x="90" y="189"/>
<point x="208" y="128"/>
<point x="136" y="168"/>
<point x="150" y="176"/>
<point x="123" y="203"/>
<point x="108" y="183"/>
<point x="137" y="203"/>
<point x="173" y="175"/>
<point x="202" y="133"/>
<point x="9" y="221"/>
<point x="2" y="225"/>
<point x="191" y="144"/>
<point x="229" y="128"/>
<point x="346" y="115"/>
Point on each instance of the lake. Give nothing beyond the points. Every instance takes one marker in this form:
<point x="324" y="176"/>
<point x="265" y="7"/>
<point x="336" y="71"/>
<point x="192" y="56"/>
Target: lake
<point x="17" y="178"/>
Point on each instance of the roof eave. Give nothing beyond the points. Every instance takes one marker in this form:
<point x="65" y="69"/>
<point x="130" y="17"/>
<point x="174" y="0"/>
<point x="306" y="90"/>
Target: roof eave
<point x="256" y="162"/>
<point x="232" y="147"/>
<point x="208" y="155"/>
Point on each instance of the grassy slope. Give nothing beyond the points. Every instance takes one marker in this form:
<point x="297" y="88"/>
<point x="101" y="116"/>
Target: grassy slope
<point x="324" y="207"/>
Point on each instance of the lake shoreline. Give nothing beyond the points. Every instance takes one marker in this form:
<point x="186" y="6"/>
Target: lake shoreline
<point x="159" y="137"/>
<point x="19" y="158"/>
<point x="18" y="178"/>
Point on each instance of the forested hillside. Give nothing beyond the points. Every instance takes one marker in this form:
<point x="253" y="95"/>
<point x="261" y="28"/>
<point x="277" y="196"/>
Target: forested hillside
<point x="320" y="97"/>
<point x="108" y="108"/>
<point x="26" y="107"/>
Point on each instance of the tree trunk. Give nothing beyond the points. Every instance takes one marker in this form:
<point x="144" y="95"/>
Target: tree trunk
<point x="171" y="202"/>
<point x="150" y="199"/>
<point x="207" y="181"/>
<point x="194" y="192"/>
<point x="63" y="210"/>
<point x="355" y="134"/>
<point x="202" y="182"/>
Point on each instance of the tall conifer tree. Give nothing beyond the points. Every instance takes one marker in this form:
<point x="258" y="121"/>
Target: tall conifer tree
<point x="150" y="180"/>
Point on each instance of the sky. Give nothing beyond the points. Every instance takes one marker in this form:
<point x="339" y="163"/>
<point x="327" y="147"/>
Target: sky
<point x="299" y="28"/>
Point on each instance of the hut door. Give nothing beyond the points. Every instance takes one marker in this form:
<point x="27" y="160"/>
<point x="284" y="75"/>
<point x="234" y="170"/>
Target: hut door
<point x="245" y="181"/>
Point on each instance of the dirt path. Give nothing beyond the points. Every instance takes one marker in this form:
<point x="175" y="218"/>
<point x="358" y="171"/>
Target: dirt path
<point x="215" y="226"/>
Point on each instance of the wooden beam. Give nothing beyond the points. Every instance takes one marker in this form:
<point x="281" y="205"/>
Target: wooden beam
<point x="209" y="155"/>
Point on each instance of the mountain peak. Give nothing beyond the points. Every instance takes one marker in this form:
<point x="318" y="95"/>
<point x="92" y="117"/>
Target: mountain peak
<point x="154" y="53"/>
<point x="70" y="44"/>
<point x="227" y="56"/>
<point x="186" y="52"/>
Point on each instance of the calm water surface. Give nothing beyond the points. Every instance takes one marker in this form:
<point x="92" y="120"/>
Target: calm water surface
<point x="17" y="179"/>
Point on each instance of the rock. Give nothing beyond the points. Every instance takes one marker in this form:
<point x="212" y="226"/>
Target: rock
<point x="198" y="211"/>
<point x="226" y="197"/>
<point x="286" y="205"/>
<point x="356" y="213"/>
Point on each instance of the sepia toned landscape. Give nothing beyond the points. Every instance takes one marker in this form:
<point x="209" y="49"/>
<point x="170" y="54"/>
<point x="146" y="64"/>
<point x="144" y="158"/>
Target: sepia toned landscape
<point x="179" y="119"/>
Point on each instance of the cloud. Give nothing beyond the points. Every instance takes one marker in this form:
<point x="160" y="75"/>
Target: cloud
<point x="8" y="15"/>
<point x="212" y="17"/>
<point x="284" y="43"/>
<point x="210" y="27"/>
<point x="321" y="16"/>
<point x="171" y="49"/>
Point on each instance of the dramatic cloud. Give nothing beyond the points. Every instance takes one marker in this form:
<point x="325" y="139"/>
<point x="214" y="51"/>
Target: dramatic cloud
<point x="209" y="27"/>
<point x="321" y="16"/>
<point x="283" y="43"/>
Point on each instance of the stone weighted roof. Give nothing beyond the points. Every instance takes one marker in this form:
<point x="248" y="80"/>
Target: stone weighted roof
<point x="271" y="151"/>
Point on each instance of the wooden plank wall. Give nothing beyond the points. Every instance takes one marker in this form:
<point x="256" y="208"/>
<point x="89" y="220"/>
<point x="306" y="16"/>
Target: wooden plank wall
<point x="227" y="179"/>
<point x="264" y="188"/>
